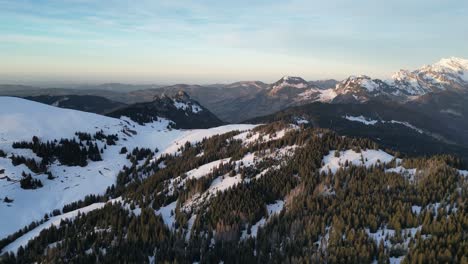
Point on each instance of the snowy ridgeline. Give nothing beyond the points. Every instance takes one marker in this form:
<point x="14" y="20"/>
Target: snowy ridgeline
<point x="22" y="119"/>
<point x="370" y="122"/>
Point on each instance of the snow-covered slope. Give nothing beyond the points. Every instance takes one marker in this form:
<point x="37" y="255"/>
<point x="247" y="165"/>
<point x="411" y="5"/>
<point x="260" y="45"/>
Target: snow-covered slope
<point x="53" y="221"/>
<point x="22" y="119"/>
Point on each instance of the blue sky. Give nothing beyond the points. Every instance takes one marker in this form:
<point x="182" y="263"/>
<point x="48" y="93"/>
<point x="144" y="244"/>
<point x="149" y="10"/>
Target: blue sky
<point x="207" y="41"/>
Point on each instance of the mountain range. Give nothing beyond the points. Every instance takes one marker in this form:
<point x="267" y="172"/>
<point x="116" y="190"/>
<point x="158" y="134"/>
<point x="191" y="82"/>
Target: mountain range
<point x="240" y="101"/>
<point x="358" y="171"/>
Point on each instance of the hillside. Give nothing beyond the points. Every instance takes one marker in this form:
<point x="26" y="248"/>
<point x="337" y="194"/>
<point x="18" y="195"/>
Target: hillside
<point x="72" y="154"/>
<point x="403" y="127"/>
<point x="273" y="193"/>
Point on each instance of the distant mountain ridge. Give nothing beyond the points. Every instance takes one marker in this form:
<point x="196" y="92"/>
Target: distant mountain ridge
<point x="243" y="100"/>
<point x="87" y="103"/>
<point x="248" y="99"/>
<point x="449" y="74"/>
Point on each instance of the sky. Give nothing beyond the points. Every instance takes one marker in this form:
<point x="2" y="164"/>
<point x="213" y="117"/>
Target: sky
<point x="220" y="41"/>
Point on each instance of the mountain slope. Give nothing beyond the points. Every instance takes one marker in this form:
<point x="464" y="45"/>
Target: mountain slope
<point x="55" y="140"/>
<point x="180" y="109"/>
<point x="256" y="196"/>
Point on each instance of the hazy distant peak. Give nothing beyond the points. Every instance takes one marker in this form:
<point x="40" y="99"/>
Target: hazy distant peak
<point x="251" y="84"/>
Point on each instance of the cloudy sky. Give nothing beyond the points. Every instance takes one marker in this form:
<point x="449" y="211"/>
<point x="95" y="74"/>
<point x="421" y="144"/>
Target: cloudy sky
<point x="206" y="41"/>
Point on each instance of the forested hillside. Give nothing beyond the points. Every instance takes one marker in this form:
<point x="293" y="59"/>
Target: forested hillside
<point x="278" y="193"/>
<point x="406" y="128"/>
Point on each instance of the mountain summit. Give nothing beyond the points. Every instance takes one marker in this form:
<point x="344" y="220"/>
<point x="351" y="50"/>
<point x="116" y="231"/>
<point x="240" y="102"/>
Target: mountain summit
<point x="288" y="82"/>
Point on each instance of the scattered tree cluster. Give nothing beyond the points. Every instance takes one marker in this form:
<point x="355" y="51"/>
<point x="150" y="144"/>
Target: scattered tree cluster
<point x="68" y="152"/>
<point x="28" y="182"/>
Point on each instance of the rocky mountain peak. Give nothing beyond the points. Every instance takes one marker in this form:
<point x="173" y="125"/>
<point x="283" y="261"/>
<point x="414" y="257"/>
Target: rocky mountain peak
<point x="182" y="95"/>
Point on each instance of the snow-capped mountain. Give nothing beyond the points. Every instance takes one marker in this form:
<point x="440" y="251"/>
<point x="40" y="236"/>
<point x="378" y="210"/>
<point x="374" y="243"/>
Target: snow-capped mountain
<point x="295" y="90"/>
<point x="361" y="88"/>
<point x="446" y="75"/>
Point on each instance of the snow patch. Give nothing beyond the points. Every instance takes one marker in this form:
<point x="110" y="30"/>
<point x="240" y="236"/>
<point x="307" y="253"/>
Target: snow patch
<point x="194" y="108"/>
<point x="273" y="209"/>
<point x="205" y="169"/>
<point x="369" y="85"/>
<point x="301" y="120"/>
<point x="223" y="183"/>
<point x="366" y="158"/>
<point x="406" y="124"/>
<point x="168" y="214"/>
<point x="361" y="119"/>
<point x="368" y="121"/>
<point x="407" y="173"/>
